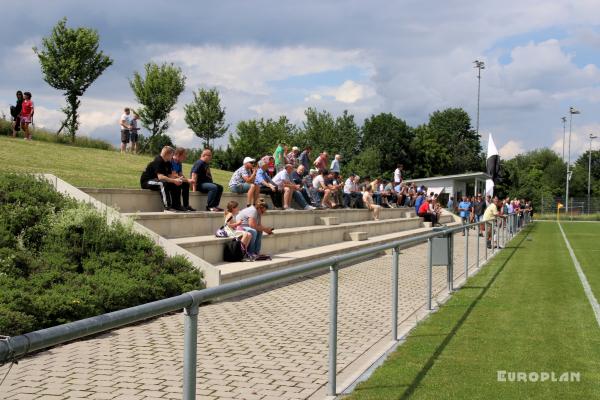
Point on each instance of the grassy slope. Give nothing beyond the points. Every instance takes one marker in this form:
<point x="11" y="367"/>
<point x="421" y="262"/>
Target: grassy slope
<point x="81" y="166"/>
<point x="526" y="311"/>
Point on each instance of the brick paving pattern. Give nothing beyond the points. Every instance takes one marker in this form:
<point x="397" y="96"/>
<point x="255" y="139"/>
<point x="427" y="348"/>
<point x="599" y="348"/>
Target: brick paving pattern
<point x="270" y="345"/>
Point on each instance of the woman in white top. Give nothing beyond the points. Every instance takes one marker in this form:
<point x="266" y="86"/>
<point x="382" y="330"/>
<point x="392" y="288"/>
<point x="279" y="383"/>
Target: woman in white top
<point x="370" y="204"/>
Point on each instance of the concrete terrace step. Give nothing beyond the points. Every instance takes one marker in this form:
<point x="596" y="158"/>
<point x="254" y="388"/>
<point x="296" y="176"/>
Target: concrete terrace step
<point x="140" y="200"/>
<point x="210" y="248"/>
<point x="231" y="272"/>
<point x="178" y="225"/>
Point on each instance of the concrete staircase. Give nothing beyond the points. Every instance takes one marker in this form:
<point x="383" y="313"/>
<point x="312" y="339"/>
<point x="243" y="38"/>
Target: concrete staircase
<point x="300" y="236"/>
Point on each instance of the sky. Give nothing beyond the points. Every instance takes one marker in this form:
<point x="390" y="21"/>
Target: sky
<point x="269" y="58"/>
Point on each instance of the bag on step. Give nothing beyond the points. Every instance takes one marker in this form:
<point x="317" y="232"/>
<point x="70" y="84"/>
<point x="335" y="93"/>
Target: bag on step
<point x="233" y="251"/>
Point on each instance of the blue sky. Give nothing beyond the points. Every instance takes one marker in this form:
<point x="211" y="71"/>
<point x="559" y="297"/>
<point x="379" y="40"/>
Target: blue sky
<point x="269" y="58"/>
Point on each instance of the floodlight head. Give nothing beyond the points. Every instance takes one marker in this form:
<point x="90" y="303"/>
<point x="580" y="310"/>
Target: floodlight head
<point x="592" y="136"/>
<point x="479" y="64"/>
<point x="564" y="119"/>
<point x="572" y="110"/>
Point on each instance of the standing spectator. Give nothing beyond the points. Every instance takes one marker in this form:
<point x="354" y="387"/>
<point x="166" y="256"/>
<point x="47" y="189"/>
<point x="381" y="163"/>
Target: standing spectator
<point x="398" y="174"/>
<point x="307" y="180"/>
<point x="266" y="185"/>
<point x="126" y="125"/>
<point x="335" y="164"/>
<point x="368" y="200"/>
<point x="202" y="181"/>
<point x="490" y="213"/>
<point x="279" y="156"/>
<point x="15" y="112"/>
<point x="292" y="157"/>
<point x="450" y="204"/>
<point x="251" y="222"/>
<point x="26" y="116"/>
<point x="177" y="160"/>
<point x="157" y="176"/>
<point x="478" y="209"/>
<point x="242" y="181"/>
<point x="464" y="209"/>
<point x="305" y="159"/>
<point x="321" y="161"/>
<point x="134" y="133"/>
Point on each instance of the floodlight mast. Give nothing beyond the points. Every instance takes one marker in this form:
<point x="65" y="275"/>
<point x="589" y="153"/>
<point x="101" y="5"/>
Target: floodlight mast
<point x="479" y="65"/>
<point x="572" y="111"/>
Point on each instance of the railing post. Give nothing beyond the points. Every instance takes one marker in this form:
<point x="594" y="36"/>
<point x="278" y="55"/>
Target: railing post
<point x="498" y="235"/>
<point x="467" y="255"/>
<point x="429" y="272"/>
<point x="333" y="313"/>
<point x="450" y="277"/>
<point x="190" y="351"/>
<point x="395" y="257"/>
<point x="478" y="243"/>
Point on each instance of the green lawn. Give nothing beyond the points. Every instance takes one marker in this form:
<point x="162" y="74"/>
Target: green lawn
<point x="524" y="312"/>
<point x="81" y="166"/>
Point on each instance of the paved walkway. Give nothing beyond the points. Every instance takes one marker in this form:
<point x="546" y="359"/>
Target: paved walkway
<point x="271" y="345"/>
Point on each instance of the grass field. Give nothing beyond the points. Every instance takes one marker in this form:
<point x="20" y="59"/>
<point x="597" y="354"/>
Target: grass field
<point x="526" y="311"/>
<point x="81" y="166"/>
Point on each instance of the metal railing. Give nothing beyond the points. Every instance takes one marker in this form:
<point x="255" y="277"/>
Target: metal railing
<point x="502" y="230"/>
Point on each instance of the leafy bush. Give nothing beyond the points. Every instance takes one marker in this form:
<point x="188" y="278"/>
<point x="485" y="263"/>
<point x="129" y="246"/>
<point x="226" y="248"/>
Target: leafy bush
<point x="60" y="261"/>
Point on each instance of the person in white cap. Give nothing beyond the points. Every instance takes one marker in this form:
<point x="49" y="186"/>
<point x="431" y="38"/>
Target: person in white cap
<point x="242" y="181"/>
<point x="292" y="157"/>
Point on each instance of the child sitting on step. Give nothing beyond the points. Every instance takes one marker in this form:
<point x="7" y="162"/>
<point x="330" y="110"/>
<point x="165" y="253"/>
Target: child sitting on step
<point x="233" y="227"/>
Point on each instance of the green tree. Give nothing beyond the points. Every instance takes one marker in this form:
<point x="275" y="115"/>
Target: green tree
<point x="205" y="116"/>
<point x="258" y="137"/>
<point x="157" y="92"/>
<point x="579" y="182"/>
<point x="391" y="137"/>
<point x="71" y="62"/>
<point x="458" y="145"/>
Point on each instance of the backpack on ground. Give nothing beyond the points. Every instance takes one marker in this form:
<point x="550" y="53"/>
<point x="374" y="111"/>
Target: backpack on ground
<point x="233" y="251"/>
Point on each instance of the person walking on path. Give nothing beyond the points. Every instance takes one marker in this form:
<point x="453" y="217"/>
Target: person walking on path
<point x="203" y="182"/>
<point x="15" y="112"/>
<point x="26" y="116"/>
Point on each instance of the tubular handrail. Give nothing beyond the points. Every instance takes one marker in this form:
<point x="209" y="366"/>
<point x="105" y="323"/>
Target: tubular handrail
<point x="15" y="347"/>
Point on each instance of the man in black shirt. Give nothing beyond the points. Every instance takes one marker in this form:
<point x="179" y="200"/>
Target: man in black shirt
<point x="157" y="177"/>
<point x="203" y="182"/>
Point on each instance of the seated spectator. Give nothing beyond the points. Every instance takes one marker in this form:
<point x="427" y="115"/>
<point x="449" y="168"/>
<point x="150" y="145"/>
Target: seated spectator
<point x="370" y="204"/>
<point x="292" y="157"/>
<point x="312" y="192"/>
<point x="177" y="160"/>
<point x="157" y="176"/>
<point x="298" y="178"/>
<point x="418" y="201"/>
<point x="352" y="194"/>
<point x="426" y="213"/>
<point x="266" y="184"/>
<point x="322" y="190"/>
<point x="234" y="228"/>
<point x="304" y="159"/>
<point x="335" y="164"/>
<point x="251" y="222"/>
<point x="271" y="167"/>
<point x="321" y="162"/>
<point x="334" y="182"/>
<point x="284" y="184"/>
<point x="202" y="181"/>
<point x="242" y="180"/>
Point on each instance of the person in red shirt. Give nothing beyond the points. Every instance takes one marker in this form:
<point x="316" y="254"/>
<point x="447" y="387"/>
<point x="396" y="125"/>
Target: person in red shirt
<point x="427" y="214"/>
<point x="26" y="114"/>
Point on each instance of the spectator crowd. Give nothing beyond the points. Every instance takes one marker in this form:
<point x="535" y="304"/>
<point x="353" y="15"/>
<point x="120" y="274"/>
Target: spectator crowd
<point x="289" y="178"/>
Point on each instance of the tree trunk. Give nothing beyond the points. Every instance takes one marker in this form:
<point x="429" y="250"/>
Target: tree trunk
<point x="74" y="104"/>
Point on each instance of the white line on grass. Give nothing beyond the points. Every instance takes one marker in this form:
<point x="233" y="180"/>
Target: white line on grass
<point x="586" y="285"/>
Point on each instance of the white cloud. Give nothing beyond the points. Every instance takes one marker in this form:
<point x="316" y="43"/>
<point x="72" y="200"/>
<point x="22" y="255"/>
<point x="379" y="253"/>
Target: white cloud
<point x="351" y="92"/>
<point x="250" y="68"/>
<point x="511" y="149"/>
<point x="580" y="141"/>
